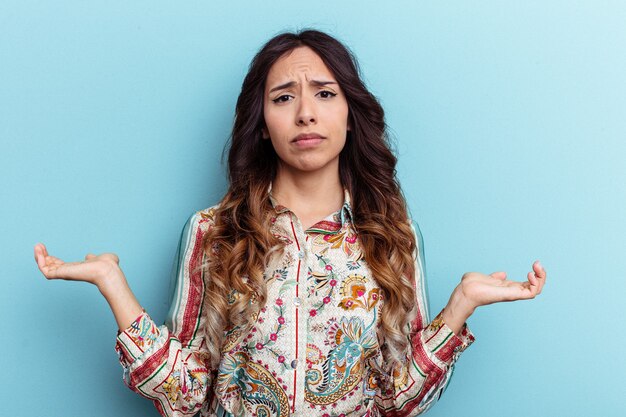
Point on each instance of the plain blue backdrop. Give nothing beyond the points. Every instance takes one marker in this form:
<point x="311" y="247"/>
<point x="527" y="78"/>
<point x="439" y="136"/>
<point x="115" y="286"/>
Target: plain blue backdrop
<point x="509" y="121"/>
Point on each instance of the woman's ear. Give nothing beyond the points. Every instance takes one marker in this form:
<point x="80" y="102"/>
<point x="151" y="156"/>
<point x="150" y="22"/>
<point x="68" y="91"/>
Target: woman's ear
<point x="266" y="134"/>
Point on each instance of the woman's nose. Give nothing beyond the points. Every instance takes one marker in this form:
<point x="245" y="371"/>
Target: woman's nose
<point x="306" y="112"/>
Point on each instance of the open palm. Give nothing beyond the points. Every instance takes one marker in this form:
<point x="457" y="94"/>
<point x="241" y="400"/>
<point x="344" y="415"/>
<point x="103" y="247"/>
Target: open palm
<point x="480" y="289"/>
<point x="91" y="270"/>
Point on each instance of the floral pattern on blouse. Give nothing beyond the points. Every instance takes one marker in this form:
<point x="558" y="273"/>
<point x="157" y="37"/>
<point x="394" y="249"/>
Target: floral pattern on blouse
<point x="313" y="349"/>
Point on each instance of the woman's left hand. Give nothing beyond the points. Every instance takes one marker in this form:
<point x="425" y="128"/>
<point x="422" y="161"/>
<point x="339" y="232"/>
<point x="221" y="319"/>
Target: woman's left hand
<point x="477" y="289"/>
<point x="480" y="289"/>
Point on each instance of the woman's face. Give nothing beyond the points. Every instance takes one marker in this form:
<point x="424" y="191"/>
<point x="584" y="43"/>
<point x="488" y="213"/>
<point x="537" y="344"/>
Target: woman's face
<point x="306" y="112"/>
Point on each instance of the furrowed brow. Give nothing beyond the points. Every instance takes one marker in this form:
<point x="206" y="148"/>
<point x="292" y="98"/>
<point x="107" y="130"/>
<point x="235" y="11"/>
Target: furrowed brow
<point x="321" y="83"/>
<point x="282" y="86"/>
<point x="290" y="84"/>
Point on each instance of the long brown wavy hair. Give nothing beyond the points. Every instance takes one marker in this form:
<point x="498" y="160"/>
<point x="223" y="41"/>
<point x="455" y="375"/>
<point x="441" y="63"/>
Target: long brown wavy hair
<point x="241" y="234"/>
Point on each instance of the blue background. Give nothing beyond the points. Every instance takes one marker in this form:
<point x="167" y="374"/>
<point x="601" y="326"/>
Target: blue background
<point x="509" y="121"/>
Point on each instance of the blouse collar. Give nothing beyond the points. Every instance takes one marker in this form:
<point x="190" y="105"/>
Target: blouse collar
<point x="326" y="226"/>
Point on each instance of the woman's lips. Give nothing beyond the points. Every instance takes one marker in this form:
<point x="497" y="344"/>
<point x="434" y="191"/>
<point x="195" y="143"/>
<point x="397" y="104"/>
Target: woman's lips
<point x="307" y="140"/>
<point x="307" y="143"/>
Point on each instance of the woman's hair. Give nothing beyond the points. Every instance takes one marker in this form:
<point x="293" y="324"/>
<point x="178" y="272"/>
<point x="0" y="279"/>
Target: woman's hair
<point x="241" y="230"/>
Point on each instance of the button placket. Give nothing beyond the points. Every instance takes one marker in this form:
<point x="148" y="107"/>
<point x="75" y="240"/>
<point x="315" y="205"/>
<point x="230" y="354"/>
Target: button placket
<point x="300" y="322"/>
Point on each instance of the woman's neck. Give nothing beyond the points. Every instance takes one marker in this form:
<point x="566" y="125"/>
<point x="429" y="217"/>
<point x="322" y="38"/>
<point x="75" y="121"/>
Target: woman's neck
<point x="311" y="196"/>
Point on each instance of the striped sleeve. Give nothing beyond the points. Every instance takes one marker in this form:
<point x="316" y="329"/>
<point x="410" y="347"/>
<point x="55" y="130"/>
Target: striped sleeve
<point x="169" y="364"/>
<point x="435" y="349"/>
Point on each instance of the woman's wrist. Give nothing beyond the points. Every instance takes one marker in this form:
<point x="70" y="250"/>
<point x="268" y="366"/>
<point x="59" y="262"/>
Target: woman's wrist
<point x="457" y="311"/>
<point x="112" y="282"/>
<point x="121" y="299"/>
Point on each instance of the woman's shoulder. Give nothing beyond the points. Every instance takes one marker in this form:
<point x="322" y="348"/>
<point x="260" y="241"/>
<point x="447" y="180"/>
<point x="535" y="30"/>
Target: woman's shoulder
<point x="207" y="214"/>
<point x="204" y="218"/>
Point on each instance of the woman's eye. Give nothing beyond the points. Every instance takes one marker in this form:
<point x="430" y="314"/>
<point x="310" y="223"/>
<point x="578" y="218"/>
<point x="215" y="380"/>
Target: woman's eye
<point x="326" y="94"/>
<point x="281" y="99"/>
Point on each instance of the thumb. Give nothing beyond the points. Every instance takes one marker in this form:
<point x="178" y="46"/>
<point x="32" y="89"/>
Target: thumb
<point x="501" y="275"/>
<point x="89" y="256"/>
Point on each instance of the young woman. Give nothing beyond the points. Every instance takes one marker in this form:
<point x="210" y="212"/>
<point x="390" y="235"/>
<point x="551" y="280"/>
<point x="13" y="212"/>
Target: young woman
<point x="302" y="291"/>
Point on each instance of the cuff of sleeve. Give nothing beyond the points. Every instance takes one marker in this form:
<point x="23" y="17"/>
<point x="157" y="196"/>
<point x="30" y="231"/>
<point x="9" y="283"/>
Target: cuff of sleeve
<point x="443" y="343"/>
<point x="136" y="339"/>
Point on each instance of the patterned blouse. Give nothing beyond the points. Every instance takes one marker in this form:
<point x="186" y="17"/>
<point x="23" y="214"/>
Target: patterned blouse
<point x="313" y="350"/>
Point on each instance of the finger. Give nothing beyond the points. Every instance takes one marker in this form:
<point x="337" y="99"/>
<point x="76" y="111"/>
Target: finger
<point x="514" y="291"/>
<point x="111" y="256"/>
<point x="539" y="270"/>
<point x="44" y="250"/>
<point x="527" y="290"/>
<point x="89" y="256"/>
<point x="38" y="255"/>
<point x="501" y="275"/>
<point x="45" y="262"/>
<point x="63" y="271"/>
<point x="53" y="268"/>
<point x="53" y="260"/>
<point x="532" y="279"/>
<point x="67" y="270"/>
<point x="540" y="273"/>
<point x="540" y="281"/>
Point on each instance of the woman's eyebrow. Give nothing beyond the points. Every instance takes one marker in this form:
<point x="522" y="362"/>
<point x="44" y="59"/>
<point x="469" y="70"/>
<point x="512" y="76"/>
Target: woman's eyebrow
<point x="289" y="84"/>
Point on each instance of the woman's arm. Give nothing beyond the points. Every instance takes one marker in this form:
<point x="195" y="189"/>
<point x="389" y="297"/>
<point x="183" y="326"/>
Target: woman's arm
<point x="166" y="364"/>
<point x="437" y="345"/>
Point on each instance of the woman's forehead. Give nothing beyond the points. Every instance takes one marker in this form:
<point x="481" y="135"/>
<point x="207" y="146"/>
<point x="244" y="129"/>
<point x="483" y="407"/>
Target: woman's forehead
<point x="301" y="62"/>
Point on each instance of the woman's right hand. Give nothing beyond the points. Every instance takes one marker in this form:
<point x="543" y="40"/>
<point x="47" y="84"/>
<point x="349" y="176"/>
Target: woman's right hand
<point x="103" y="271"/>
<point x="95" y="269"/>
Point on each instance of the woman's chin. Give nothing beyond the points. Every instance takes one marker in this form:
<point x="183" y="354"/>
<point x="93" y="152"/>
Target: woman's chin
<point x="309" y="166"/>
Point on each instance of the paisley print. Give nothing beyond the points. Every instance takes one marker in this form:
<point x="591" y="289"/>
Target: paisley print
<point x="356" y="295"/>
<point x="351" y="345"/>
<point x="344" y="240"/>
<point x="245" y="384"/>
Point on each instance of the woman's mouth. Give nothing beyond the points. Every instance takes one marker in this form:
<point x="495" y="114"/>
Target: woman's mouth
<point x="305" y="140"/>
